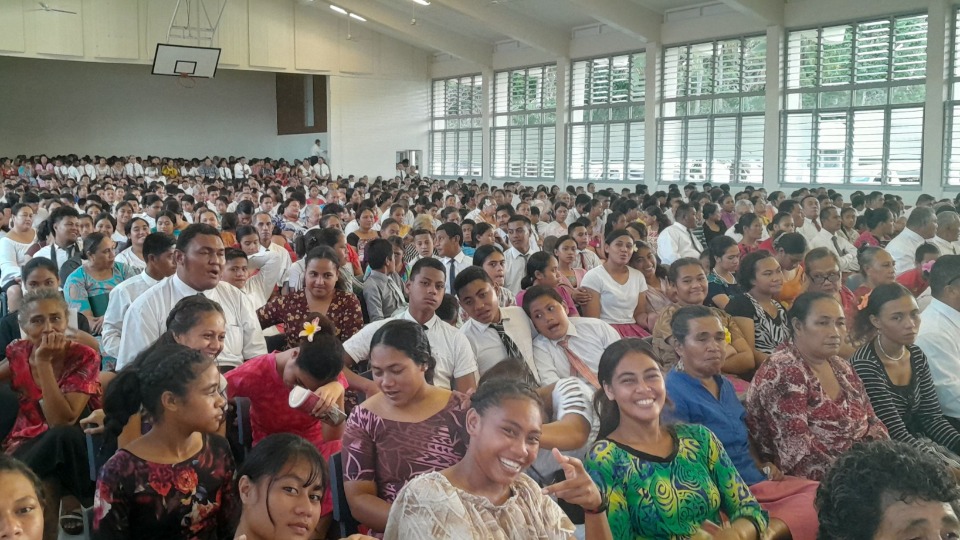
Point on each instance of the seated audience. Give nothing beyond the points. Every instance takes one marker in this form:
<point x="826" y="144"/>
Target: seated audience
<point x="471" y="500"/>
<point x="565" y="347"/>
<point x="618" y="291"/>
<point x="939" y="331"/>
<point x="921" y="227"/>
<point x="542" y="269"/>
<point x="724" y="263"/>
<point x="781" y="223"/>
<point x="87" y="289"/>
<point x="659" y="296"/>
<point x="829" y="237"/>
<point x="491" y="259"/>
<point x="64" y="227"/>
<point x="383" y="288"/>
<point x="759" y="315"/>
<point x="700" y="395"/>
<point x="887" y="489"/>
<point x="56" y="379"/>
<point x="22" y="501"/>
<point x="789" y="249"/>
<point x="661" y="480"/>
<point x="749" y="228"/>
<point x="677" y="240"/>
<point x="806" y="406"/>
<point x="896" y="377"/>
<point x="255" y="272"/>
<point x="13" y="253"/>
<point x="521" y="248"/>
<point x="878" y="223"/>
<point x="137" y="230"/>
<point x="877" y="268"/>
<point x="176" y="480"/>
<point x="409" y="427"/>
<point x="916" y="279"/>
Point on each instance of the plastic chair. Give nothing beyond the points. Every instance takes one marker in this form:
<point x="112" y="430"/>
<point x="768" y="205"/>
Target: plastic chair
<point x="341" y="507"/>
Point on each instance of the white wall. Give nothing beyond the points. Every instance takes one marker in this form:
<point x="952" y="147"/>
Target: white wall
<point x="111" y="109"/>
<point x="370" y="120"/>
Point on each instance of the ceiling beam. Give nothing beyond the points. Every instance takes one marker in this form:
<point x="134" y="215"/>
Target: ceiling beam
<point x="769" y="11"/>
<point x="422" y="34"/>
<point x="627" y="17"/>
<point x="525" y="29"/>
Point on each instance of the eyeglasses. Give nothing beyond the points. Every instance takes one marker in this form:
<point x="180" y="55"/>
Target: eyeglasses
<point x="821" y="279"/>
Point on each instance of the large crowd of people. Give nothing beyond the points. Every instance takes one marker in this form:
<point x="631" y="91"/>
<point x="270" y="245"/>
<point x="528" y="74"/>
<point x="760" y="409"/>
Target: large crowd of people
<point x="486" y="362"/>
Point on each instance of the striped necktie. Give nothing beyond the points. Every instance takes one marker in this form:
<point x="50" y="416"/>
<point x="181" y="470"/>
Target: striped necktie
<point x="511" y="346"/>
<point x="577" y="365"/>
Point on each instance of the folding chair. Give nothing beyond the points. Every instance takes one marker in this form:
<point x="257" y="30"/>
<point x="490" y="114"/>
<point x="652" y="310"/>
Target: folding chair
<point x="341" y="507"/>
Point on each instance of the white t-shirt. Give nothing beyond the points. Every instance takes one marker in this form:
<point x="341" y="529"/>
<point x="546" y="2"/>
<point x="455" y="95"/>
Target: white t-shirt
<point x="617" y="302"/>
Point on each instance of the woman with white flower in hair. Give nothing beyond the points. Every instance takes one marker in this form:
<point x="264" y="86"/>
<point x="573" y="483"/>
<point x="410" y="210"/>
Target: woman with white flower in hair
<point x="309" y="373"/>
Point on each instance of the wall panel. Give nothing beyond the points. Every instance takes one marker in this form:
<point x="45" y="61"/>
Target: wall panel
<point x="11" y="39"/>
<point x="117" y="24"/>
<point x="359" y="47"/>
<point x="56" y="33"/>
<point x="315" y="43"/>
<point x="271" y="41"/>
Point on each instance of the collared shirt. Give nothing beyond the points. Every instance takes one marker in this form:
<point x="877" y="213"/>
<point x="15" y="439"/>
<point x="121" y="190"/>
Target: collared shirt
<point x="285" y="262"/>
<point x="586" y="256"/>
<point x="903" y="249"/>
<point x="937" y="338"/>
<point x="121" y="297"/>
<point x="847" y="253"/>
<point x="268" y="265"/>
<point x="449" y="348"/>
<point x="61" y="255"/>
<point x="676" y="242"/>
<point x="809" y="229"/>
<point x="461" y="262"/>
<point x="486" y="342"/>
<point x="146" y="319"/>
<point x="516" y="266"/>
<point x="589" y="337"/>
<point x="945" y="247"/>
<point x="383" y="295"/>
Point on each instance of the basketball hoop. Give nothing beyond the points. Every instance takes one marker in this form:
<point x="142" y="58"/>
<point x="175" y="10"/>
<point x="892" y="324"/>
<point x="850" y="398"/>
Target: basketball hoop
<point x="184" y="80"/>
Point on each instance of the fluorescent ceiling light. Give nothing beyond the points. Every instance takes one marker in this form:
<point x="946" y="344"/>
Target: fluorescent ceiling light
<point x="422" y="2"/>
<point x="338" y="9"/>
<point x="357" y="17"/>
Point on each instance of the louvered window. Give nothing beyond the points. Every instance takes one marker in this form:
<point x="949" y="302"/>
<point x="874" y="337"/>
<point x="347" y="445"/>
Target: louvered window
<point x="605" y="137"/>
<point x="952" y="137"/>
<point x="524" y="118"/>
<point x="455" y="135"/>
<point x="711" y="114"/>
<point x="853" y="103"/>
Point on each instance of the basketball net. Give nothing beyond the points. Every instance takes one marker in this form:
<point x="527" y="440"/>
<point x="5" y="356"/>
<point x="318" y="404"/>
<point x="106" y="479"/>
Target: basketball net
<point x="184" y="80"/>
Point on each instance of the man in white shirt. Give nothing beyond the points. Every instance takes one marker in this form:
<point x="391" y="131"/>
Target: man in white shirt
<point x="939" y="331"/>
<point x="265" y="225"/>
<point x="828" y="237"/>
<point x="152" y="206"/>
<point x="200" y="261"/>
<point x="133" y="169"/>
<point x="810" y="206"/>
<point x="321" y="169"/>
<point x="66" y="231"/>
<point x="921" y="227"/>
<point x="677" y="240"/>
<point x="518" y="231"/>
<point x="315" y="150"/>
<point x="241" y="171"/>
<point x="449" y="238"/>
<point x="495" y="333"/>
<point x="456" y="364"/>
<point x="948" y="232"/>
<point x="158" y="252"/>
<point x="586" y="259"/>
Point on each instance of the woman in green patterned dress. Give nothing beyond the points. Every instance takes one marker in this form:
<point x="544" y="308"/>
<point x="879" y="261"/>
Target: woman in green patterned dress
<point x="662" y="481"/>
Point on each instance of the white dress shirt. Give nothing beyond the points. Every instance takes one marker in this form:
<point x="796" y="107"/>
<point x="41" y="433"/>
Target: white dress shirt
<point x="586" y="256"/>
<point x="461" y="261"/>
<point x="903" y="249"/>
<point x="120" y="299"/>
<point x="809" y="229"/>
<point x="224" y="173"/>
<point x="241" y="171"/>
<point x="676" y="242"/>
<point x="937" y="338"/>
<point x="589" y="337"/>
<point x="448" y="346"/>
<point x="129" y="258"/>
<point x="285" y="262"/>
<point x="516" y="266"/>
<point x="62" y="254"/>
<point x="268" y="265"/>
<point x="133" y="170"/>
<point x="945" y="247"/>
<point x="486" y="343"/>
<point x="847" y="253"/>
<point x="146" y="319"/>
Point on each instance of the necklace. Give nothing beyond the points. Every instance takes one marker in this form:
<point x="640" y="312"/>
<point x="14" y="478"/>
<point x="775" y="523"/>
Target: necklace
<point x="903" y="351"/>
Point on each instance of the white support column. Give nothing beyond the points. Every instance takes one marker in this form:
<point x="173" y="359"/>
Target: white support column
<point x="651" y="113"/>
<point x="771" y="119"/>
<point x="938" y="22"/>
<point x="486" y="163"/>
<point x="560" y="138"/>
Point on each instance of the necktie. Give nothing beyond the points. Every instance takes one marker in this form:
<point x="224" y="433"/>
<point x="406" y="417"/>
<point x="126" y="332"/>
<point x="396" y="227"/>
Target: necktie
<point x="452" y="273"/>
<point x="577" y="365"/>
<point x="583" y="260"/>
<point x="836" y="245"/>
<point x="511" y="346"/>
<point x="693" y="240"/>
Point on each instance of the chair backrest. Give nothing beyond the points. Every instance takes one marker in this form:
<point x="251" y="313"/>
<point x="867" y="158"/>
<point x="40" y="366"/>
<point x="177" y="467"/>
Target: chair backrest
<point x="341" y="507"/>
<point x="244" y="427"/>
<point x="100" y="448"/>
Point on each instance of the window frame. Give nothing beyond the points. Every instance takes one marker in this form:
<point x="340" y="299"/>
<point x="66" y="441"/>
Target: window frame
<point x="952" y="101"/>
<point x="496" y="131"/>
<point x="888" y="108"/>
<point x="470" y="132"/>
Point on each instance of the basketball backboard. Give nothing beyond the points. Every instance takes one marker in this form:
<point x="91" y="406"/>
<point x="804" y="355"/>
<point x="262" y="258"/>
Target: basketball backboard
<point x="181" y="60"/>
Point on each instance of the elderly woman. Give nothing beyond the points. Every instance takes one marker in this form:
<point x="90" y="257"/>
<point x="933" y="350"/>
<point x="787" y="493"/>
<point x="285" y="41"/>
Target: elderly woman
<point x="700" y="395"/>
<point x="877" y="268"/>
<point x="806" y="405"/>
<point x="688" y="282"/>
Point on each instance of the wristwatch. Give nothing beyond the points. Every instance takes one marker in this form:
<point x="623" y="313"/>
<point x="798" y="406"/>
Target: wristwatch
<point x="604" y="504"/>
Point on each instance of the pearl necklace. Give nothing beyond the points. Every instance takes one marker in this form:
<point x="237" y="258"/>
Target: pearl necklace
<point x="903" y="351"/>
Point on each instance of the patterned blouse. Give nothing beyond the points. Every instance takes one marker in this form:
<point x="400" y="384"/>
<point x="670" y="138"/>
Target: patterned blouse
<point x="669" y="498"/>
<point x="390" y="453"/>
<point x="80" y="375"/>
<point x="291" y="311"/>
<point x="910" y="413"/>
<point x="794" y="424"/>
<point x="717" y="285"/>
<point x="193" y="499"/>
<point x="769" y="332"/>
<point x="86" y="293"/>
